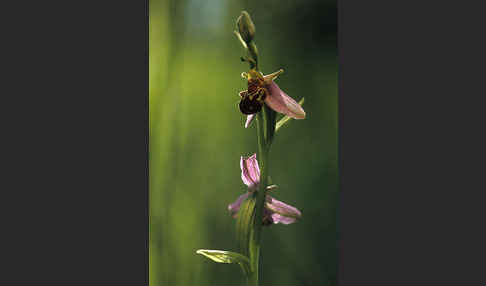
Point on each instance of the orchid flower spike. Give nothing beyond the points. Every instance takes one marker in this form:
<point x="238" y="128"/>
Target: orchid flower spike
<point x="274" y="211"/>
<point x="262" y="88"/>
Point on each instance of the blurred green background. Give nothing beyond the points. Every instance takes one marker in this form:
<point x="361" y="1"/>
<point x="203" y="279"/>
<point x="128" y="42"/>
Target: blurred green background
<point x="197" y="137"/>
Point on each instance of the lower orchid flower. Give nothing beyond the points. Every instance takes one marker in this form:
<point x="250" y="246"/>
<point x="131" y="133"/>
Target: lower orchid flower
<point x="274" y="211"/>
<point x="262" y="88"/>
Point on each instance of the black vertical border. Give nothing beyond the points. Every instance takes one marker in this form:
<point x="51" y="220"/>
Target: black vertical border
<point x="339" y="242"/>
<point x="75" y="100"/>
<point x="411" y="76"/>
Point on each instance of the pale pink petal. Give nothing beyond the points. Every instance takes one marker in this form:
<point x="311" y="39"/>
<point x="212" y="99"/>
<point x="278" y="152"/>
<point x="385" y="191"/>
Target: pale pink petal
<point x="235" y="207"/>
<point x="276" y="219"/>
<point x="279" y="101"/>
<point x="250" y="172"/>
<point x="249" y="119"/>
<point x="281" y="212"/>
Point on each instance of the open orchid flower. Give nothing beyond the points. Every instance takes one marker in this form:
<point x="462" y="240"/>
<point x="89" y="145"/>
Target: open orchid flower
<point x="274" y="211"/>
<point x="262" y="88"/>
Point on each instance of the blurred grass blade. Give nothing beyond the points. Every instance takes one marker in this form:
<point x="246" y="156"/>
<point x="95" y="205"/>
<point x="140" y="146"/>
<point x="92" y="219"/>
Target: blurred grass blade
<point x="222" y="256"/>
<point x="285" y="119"/>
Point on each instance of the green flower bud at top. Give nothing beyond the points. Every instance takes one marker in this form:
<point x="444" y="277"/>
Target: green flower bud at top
<point x="246" y="27"/>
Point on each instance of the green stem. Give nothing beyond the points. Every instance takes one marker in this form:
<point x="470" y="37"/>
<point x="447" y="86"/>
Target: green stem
<point x="266" y="119"/>
<point x="265" y="129"/>
<point x="253" y="279"/>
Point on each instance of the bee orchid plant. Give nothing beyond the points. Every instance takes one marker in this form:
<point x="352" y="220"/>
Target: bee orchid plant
<point x="254" y="209"/>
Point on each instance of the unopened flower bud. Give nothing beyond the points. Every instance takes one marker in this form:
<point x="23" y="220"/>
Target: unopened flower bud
<point x="246" y="27"/>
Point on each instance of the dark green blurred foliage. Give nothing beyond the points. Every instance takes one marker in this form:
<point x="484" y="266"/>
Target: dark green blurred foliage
<point x="197" y="137"/>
